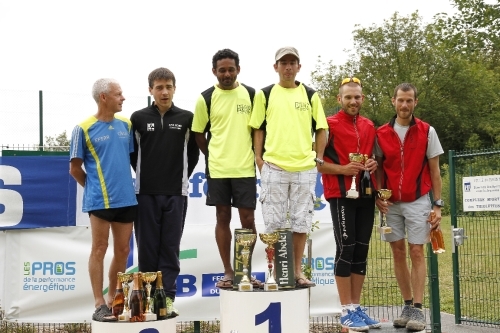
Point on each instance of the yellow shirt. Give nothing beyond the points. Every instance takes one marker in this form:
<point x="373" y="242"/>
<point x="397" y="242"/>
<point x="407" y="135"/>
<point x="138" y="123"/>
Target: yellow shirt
<point x="289" y="117"/>
<point x="230" y="153"/>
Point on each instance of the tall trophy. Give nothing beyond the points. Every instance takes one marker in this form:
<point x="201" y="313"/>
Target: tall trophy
<point x="149" y="277"/>
<point x="245" y="240"/>
<point x="270" y="240"/>
<point x="383" y="229"/>
<point x="352" y="193"/>
<point x="125" y="278"/>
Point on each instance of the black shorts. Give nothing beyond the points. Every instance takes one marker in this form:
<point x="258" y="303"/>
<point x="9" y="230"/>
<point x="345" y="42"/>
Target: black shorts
<point x="236" y="192"/>
<point x="122" y="214"/>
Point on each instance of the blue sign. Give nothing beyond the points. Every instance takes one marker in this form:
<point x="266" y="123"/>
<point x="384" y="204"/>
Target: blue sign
<point x="36" y="192"/>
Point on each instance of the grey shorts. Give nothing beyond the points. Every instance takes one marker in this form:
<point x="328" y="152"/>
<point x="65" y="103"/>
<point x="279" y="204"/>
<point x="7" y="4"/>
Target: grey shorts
<point x="287" y="195"/>
<point x="409" y="219"/>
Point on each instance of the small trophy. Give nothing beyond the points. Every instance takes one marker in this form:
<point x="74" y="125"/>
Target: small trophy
<point x="149" y="277"/>
<point x="352" y="193"/>
<point x="270" y="240"/>
<point x="125" y="278"/>
<point x="245" y="240"/>
<point x="383" y="229"/>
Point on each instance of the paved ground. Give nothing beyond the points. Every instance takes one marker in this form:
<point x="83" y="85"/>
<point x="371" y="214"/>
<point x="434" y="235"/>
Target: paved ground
<point x="447" y="324"/>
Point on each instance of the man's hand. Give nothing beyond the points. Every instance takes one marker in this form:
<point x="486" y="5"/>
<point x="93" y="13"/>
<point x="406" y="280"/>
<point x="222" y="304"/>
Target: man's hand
<point x="435" y="217"/>
<point x="371" y="165"/>
<point x="260" y="162"/>
<point x="353" y="168"/>
<point x="383" y="206"/>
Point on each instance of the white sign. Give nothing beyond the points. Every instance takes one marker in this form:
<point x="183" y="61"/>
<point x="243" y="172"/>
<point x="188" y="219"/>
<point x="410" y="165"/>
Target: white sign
<point x="481" y="193"/>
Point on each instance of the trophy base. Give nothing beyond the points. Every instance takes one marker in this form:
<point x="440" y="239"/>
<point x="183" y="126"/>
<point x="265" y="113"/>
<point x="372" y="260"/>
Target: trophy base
<point x="124" y="316"/>
<point x="384" y="230"/>
<point x="245" y="287"/>
<point x="233" y="317"/>
<point x="149" y="316"/>
<point x="270" y="287"/>
<point x="352" y="194"/>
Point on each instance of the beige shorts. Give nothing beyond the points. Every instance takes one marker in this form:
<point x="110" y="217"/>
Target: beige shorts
<point x="409" y="219"/>
<point x="287" y="197"/>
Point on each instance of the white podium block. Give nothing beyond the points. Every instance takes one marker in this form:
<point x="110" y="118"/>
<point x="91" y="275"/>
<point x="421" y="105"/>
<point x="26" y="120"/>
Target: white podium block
<point x="163" y="326"/>
<point x="264" y="312"/>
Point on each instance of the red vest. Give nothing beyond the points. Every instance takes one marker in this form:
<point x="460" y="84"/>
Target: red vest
<point x="406" y="168"/>
<point x="345" y="131"/>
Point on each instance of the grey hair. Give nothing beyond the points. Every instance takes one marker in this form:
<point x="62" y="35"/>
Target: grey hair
<point x="101" y="86"/>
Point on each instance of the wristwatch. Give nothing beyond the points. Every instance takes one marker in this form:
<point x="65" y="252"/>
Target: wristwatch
<point x="319" y="161"/>
<point x="438" y="203"/>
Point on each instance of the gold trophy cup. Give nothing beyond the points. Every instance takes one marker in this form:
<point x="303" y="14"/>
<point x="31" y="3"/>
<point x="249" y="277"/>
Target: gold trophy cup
<point x="125" y="279"/>
<point x="384" y="194"/>
<point x="352" y="193"/>
<point x="270" y="240"/>
<point x="149" y="277"/>
<point x="245" y="240"/>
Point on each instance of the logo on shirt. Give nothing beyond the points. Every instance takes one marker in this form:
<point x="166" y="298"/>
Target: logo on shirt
<point x="150" y="127"/>
<point x="243" y="108"/>
<point x="101" y="138"/>
<point x="110" y="127"/>
<point x="301" y="106"/>
<point x="123" y="134"/>
<point x="175" y="126"/>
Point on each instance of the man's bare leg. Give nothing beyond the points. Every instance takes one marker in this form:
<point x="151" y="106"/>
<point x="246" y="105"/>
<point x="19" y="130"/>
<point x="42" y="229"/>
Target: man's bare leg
<point x="418" y="272"/>
<point x="100" y="235"/>
<point x="121" y="249"/>
<point x="401" y="268"/>
<point x="223" y="238"/>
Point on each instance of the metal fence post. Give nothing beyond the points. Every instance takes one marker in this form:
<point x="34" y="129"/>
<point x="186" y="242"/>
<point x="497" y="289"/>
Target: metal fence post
<point x="434" y="302"/>
<point x="454" y="257"/>
<point x="435" y="305"/>
<point x="40" y="110"/>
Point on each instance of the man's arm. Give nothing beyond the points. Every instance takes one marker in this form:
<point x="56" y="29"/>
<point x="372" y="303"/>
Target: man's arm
<point x="258" y="146"/>
<point x="201" y="141"/>
<point x="193" y="153"/>
<point x="320" y="143"/>
<point x="135" y="153"/>
<point x="76" y="170"/>
<point x="436" y="188"/>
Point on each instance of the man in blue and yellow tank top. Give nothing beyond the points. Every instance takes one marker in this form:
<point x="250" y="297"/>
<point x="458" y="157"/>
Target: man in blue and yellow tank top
<point x="103" y="143"/>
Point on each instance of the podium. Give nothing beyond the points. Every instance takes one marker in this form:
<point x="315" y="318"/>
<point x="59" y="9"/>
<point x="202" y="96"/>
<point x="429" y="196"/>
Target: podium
<point x="264" y="312"/>
<point x="163" y="326"/>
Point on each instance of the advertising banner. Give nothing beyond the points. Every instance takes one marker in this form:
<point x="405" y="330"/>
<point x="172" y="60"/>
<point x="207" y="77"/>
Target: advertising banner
<point x="46" y="274"/>
<point x="46" y="269"/>
<point x="481" y="193"/>
<point x="36" y="192"/>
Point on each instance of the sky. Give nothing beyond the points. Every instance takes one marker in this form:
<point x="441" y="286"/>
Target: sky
<point x="62" y="47"/>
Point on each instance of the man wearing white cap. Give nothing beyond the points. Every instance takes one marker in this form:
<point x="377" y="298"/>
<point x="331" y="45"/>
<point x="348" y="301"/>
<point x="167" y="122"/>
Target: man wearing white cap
<point x="284" y="117"/>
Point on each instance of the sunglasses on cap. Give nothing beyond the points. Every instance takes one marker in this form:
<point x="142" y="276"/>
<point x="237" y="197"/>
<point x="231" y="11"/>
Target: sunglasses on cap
<point x="351" y="79"/>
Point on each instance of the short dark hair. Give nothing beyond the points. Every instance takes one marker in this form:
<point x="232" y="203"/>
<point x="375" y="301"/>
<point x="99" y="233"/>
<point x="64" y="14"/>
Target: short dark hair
<point x="161" y="73"/>
<point x="406" y="87"/>
<point x="223" y="54"/>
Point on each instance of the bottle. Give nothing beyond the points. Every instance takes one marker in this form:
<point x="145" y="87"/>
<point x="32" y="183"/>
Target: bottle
<point x="143" y="292"/>
<point x="160" y="298"/>
<point x="136" y="303"/>
<point x="437" y="240"/>
<point x="365" y="183"/>
<point x="119" y="299"/>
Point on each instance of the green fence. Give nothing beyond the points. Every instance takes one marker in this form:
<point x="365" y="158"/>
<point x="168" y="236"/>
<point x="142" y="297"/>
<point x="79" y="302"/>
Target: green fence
<point x="476" y="263"/>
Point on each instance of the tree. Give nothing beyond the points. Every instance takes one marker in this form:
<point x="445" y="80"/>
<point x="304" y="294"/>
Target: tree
<point x="458" y="95"/>
<point x="474" y="30"/>
<point x="57" y="143"/>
